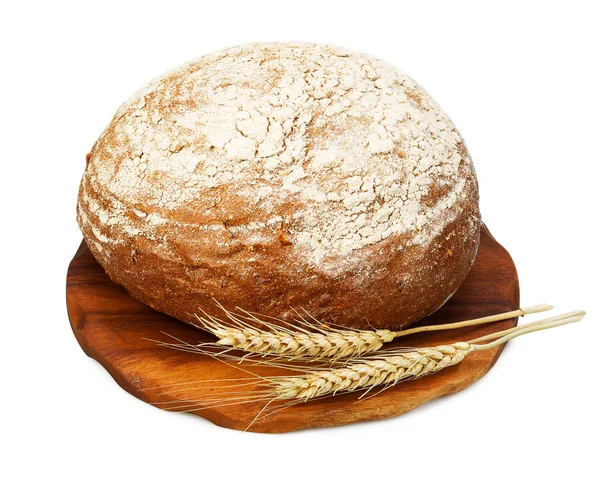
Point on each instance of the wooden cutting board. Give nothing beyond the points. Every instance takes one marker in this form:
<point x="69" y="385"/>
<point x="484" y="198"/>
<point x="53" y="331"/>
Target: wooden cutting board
<point x="114" y="329"/>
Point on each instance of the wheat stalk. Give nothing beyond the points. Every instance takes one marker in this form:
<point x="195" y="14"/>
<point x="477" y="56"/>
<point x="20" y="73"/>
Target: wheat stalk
<point x="388" y="370"/>
<point x="319" y="341"/>
<point x="377" y="371"/>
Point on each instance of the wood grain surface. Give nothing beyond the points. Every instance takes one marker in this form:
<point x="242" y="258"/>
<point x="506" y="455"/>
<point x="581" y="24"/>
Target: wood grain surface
<point x="114" y="329"/>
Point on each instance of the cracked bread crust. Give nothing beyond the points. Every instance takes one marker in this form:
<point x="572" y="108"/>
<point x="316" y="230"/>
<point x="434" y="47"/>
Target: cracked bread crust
<point x="280" y="176"/>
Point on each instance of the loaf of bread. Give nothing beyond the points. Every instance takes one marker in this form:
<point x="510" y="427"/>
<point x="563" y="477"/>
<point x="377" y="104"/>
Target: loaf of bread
<point x="274" y="177"/>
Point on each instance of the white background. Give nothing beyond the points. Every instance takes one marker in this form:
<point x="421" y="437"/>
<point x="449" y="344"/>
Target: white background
<point x="521" y="82"/>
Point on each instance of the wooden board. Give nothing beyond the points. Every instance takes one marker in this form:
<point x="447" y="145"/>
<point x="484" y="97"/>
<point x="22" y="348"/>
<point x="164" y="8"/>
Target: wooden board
<point x="113" y="328"/>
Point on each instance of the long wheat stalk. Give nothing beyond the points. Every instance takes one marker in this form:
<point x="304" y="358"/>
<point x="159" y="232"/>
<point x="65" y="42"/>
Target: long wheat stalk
<point x="317" y="340"/>
<point x="376" y="371"/>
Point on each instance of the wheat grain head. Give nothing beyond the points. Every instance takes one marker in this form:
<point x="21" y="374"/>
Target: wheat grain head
<point x="315" y="340"/>
<point x="388" y="371"/>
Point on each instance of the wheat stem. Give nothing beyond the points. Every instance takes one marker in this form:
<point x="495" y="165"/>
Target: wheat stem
<point x="575" y="317"/>
<point x="493" y="336"/>
<point x="521" y="312"/>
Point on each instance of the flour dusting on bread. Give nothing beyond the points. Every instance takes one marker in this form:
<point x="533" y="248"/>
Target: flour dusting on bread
<point x="355" y="145"/>
<point x="280" y="176"/>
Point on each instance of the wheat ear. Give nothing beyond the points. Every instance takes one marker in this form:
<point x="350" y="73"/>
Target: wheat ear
<point x="388" y="370"/>
<point x="377" y="371"/>
<point x="317" y="340"/>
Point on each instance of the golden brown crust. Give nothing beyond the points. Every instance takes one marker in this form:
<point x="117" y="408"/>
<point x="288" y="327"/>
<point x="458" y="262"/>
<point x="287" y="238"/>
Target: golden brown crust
<point x="392" y="289"/>
<point x="280" y="251"/>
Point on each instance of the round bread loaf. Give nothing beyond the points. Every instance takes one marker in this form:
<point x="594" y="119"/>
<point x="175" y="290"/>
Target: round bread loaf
<point x="274" y="177"/>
